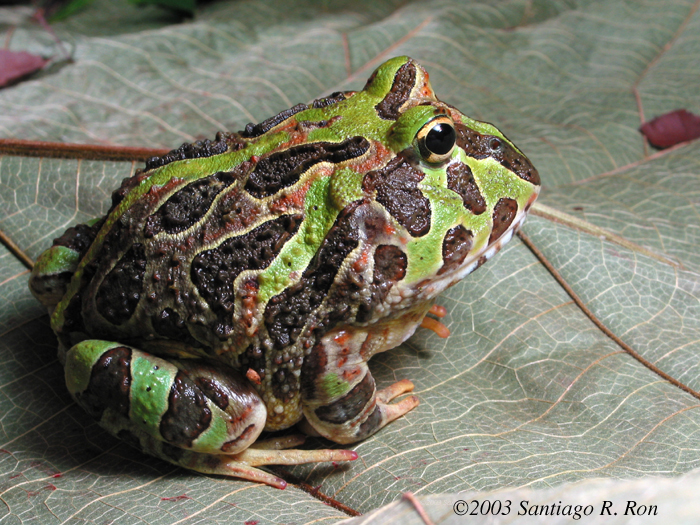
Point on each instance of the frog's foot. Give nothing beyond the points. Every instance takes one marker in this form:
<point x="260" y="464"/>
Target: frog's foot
<point x="340" y="400"/>
<point x="273" y="451"/>
<point x="433" y="324"/>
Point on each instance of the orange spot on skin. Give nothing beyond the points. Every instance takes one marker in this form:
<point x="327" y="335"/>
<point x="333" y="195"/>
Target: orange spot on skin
<point x="436" y="326"/>
<point x="253" y="376"/>
<point x="342" y="361"/>
<point x="376" y="156"/>
<point x="342" y="337"/>
<point x="350" y="375"/>
<point x="389" y="229"/>
<point x="294" y="200"/>
<point x="361" y="263"/>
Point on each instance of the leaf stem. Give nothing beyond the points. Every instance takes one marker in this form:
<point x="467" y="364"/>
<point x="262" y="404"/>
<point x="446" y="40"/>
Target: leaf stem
<point x="60" y="150"/>
<point x="557" y="276"/>
<point x="16" y="251"/>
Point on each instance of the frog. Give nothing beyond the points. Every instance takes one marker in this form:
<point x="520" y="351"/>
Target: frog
<point x="241" y="285"/>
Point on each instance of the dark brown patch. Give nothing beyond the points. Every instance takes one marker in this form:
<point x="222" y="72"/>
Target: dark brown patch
<point x="213" y="390"/>
<point x="455" y="247"/>
<point x="199" y="149"/>
<point x="110" y="382"/>
<point x="188" y="205"/>
<point x="287" y="313"/>
<point x="121" y="289"/>
<point x="460" y="179"/>
<point x="404" y="80"/>
<point x="284" y="168"/>
<point x="314" y="365"/>
<point x="285" y="384"/>
<point x="371" y="424"/>
<point x="255" y="130"/>
<point x="481" y="146"/>
<point x="331" y="99"/>
<point x="397" y="190"/>
<point x="503" y="214"/>
<point x="350" y="405"/>
<point x="254" y="358"/>
<point x="214" y="271"/>
<point x="188" y="414"/>
<point x="79" y="237"/>
<point x="168" y="323"/>
<point x="390" y="264"/>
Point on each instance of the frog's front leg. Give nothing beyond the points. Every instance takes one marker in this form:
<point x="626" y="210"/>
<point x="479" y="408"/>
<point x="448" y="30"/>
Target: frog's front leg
<point x="184" y="411"/>
<point x="340" y="399"/>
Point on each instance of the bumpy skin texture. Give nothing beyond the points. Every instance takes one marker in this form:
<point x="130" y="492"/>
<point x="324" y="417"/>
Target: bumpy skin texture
<point x="268" y="266"/>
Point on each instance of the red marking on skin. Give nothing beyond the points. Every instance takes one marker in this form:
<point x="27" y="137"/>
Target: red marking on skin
<point x="341" y="337"/>
<point x="294" y="200"/>
<point x="342" y="361"/>
<point x="57" y="475"/>
<point x="349" y="375"/>
<point x="389" y="229"/>
<point x="252" y="522"/>
<point x="15" y="476"/>
<point x="249" y="301"/>
<point x="376" y="157"/>
<point x="253" y="376"/>
<point x="5" y="451"/>
<point x="176" y="498"/>
<point x="362" y="261"/>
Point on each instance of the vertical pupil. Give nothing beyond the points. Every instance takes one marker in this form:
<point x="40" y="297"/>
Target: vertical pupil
<point x="440" y="139"/>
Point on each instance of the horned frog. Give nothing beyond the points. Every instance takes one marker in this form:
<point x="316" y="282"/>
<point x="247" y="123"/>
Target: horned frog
<point x="242" y="284"/>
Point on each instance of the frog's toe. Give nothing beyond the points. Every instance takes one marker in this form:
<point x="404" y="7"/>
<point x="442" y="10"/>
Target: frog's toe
<point x="392" y="411"/>
<point x="256" y="456"/>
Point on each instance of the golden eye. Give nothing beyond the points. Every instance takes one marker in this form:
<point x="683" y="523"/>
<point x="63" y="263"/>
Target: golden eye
<point x="436" y="140"/>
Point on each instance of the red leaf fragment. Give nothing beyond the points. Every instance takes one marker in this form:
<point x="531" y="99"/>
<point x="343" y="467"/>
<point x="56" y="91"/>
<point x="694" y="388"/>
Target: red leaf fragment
<point x="14" y="65"/>
<point x="672" y="128"/>
<point x="176" y="498"/>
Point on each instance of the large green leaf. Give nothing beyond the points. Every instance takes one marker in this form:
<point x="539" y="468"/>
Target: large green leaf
<point x="527" y="391"/>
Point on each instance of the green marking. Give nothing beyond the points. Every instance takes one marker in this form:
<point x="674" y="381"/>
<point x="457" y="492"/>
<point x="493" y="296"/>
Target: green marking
<point x="188" y="170"/>
<point x="384" y="78"/>
<point x="79" y="362"/>
<point x="333" y="385"/>
<point x="55" y="260"/>
<point x="296" y="254"/>
<point x="447" y="210"/>
<point x="346" y="187"/>
<point x="214" y="437"/>
<point x="151" y="380"/>
<point x="409" y="123"/>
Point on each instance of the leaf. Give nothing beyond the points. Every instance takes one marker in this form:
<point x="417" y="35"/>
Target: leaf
<point x="655" y="501"/>
<point x="15" y="65"/>
<point x="671" y="128"/>
<point x="527" y="392"/>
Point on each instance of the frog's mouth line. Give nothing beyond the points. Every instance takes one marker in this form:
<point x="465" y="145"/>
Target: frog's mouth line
<point x="475" y="260"/>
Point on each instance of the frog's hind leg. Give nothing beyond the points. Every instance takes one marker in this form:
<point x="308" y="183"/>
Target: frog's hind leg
<point x="340" y="399"/>
<point x="184" y="411"/>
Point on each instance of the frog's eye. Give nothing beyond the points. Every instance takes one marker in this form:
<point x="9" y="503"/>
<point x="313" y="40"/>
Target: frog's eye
<point x="436" y="139"/>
